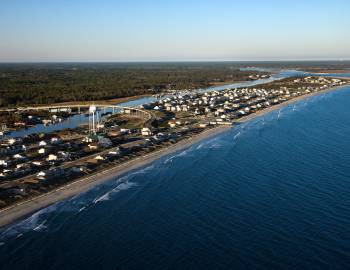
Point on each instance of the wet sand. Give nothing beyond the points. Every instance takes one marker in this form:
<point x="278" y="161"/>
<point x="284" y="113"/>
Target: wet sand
<point x="25" y="208"/>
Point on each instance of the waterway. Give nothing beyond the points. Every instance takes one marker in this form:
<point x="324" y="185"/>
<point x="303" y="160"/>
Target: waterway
<point x="79" y="119"/>
<point x="272" y="193"/>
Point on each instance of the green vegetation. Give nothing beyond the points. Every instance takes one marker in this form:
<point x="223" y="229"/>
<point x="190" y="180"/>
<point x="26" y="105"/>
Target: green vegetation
<point x="22" y="84"/>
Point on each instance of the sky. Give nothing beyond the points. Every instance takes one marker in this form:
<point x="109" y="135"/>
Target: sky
<point x="173" y="30"/>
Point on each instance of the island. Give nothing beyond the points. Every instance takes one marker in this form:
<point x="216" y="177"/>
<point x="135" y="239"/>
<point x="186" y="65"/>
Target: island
<point x="43" y="168"/>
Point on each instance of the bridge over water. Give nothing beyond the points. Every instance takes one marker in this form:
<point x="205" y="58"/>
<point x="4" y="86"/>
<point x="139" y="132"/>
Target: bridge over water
<point x="76" y="119"/>
<point x="115" y="108"/>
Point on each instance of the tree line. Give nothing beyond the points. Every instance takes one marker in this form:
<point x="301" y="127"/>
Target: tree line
<point x="23" y="84"/>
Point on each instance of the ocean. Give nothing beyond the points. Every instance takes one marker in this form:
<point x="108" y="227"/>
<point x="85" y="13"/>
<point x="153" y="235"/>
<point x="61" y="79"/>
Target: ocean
<point x="272" y="193"/>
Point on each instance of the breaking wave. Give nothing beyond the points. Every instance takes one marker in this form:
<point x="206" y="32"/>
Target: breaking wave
<point x="180" y="154"/>
<point x="123" y="183"/>
<point x="36" y="222"/>
<point x="107" y="196"/>
<point x="82" y="208"/>
<point x="41" y="226"/>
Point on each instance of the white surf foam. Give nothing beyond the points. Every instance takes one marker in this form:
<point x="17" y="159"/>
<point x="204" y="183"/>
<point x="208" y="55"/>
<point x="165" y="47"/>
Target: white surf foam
<point x="120" y="187"/>
<point x="237" y="135"/>
<point x="82" y="208"/>
<point x="181" y="154"/>
<point x="214" y="143"/>
<point x="279" y="114"/>
<point x="41" y="226"/>
<point x="200" y="146"/>
<point x="34" y="222"/>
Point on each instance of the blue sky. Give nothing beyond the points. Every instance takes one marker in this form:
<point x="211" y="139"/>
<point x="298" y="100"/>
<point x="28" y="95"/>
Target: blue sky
<point x="155" y="30"/>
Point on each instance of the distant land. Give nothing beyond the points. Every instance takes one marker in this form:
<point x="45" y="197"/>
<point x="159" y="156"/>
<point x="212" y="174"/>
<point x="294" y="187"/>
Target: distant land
<point x="46" y="83"/>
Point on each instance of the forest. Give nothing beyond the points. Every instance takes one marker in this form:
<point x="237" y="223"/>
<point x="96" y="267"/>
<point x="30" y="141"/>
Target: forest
<point x="45" y="83"/>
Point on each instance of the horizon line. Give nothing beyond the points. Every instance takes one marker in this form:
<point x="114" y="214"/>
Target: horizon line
<point x="175" y="61"/>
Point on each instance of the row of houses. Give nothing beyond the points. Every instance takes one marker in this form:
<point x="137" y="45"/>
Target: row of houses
<point x="320" y="83"/>
<point x="233" y="103"/>
<point x="219" y="103"/>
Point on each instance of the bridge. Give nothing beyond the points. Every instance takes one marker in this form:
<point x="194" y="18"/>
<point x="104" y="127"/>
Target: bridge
<point x="127" y="110"/>
<point x="93" y="115"/>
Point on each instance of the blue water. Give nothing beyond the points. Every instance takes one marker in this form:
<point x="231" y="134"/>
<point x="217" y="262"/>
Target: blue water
<point x="273" y="193"/>
<point x="329" y="74"/>
<point x="76" y="120"/>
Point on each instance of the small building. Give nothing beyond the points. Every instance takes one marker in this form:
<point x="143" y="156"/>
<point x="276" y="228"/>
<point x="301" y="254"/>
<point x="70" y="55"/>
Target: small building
<point x="172" y="124"/>
<point x="56" y="140"/>
<point x="114" y="152"/>
<point x="99" y="157"/>
<point x="93" y="146"/>
<point x="37" y="163"/>
<point x="125" y="131"/>
<point x="5" y="162"/>
<point x="9" y="141"/>
<point x="52" y="157"/>
<point x="146" y="132"/>
<point x="50" y="173"/>
<point x="42" y="143"/>
<point x="19" y="157"/>
<point x="63" y="155"/>
<point x="88" y="139"/>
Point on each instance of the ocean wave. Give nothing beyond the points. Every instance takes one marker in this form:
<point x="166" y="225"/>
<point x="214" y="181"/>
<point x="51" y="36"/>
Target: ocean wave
<point x="279" y="114"/>
<point x="214" y="143"/>
<point x="78" y="203"/>
<point x="41" y="226"/>
<point x="200" y="146"/>
<point x="123" y="183"/>
<point x="36" y="222"/>
<point x="82" y="208"/>
<point x="139" y="171"/>
<point x="120" y="187"/>
<point x="236" y="136"/>
<point x="180" y="154"/>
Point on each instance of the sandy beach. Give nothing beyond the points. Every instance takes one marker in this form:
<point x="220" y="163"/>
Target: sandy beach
<point x="25" y="208"/>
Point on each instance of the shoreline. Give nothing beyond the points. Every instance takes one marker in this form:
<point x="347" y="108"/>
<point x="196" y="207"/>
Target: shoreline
<point x="22" y="209"/>
<point x="286" y="103"/>
<point x="113" y="101"/>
